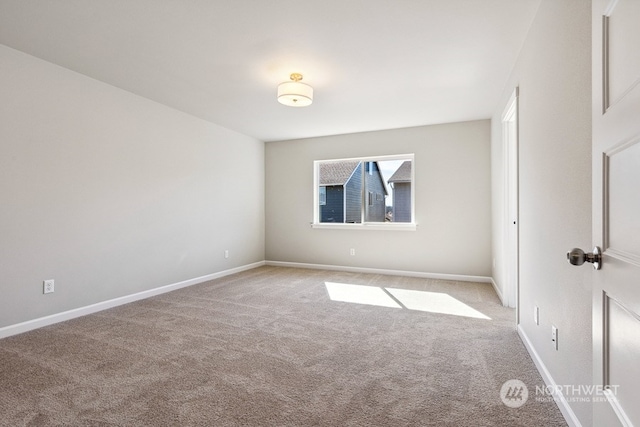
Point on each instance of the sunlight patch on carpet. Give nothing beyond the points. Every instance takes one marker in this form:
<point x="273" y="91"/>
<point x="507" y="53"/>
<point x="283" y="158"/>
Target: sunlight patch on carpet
<point x="432" y="302"/>
<point x="359" y="294"/>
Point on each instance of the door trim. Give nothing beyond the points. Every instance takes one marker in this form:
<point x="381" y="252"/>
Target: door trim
<point x="511" y="198"/>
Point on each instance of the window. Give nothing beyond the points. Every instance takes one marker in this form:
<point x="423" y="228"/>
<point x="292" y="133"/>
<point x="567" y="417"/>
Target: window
<point x="371" y="192"/>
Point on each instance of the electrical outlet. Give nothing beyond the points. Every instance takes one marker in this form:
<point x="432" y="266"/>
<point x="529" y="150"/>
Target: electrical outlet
<point x="48" y="286"/>
<point x="536" y="314"/>
<point x="352" y="252"/>
<point x="554" y="336"/>
<point x="226" y="253"/>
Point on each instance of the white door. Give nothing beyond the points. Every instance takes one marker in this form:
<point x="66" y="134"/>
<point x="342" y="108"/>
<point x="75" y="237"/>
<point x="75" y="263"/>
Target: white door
<point x="616" y="210"/>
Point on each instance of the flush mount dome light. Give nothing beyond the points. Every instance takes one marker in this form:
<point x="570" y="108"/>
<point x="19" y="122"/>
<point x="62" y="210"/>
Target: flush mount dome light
<point x="295" y="93"/>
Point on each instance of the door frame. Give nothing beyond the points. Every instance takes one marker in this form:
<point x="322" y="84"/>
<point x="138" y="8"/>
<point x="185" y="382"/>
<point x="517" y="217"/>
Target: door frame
<point x="511" y="248"/>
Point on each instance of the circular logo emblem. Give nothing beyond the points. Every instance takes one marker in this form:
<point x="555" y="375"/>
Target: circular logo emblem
<point x="514" y="393"/>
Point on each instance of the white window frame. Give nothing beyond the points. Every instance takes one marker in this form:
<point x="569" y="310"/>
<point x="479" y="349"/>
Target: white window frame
<point x="397" y="226"/>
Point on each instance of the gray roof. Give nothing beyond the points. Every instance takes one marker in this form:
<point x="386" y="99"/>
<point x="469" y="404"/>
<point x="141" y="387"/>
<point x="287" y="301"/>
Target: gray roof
<point x="403" y="174"/>
<point x="336" y="173"/>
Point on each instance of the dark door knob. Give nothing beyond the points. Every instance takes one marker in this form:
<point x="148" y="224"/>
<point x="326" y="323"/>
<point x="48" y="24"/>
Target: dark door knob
<point x="578" y="257"/>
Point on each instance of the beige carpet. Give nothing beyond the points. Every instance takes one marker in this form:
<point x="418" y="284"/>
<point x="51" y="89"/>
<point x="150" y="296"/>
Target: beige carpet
<point x="268" y="347"/>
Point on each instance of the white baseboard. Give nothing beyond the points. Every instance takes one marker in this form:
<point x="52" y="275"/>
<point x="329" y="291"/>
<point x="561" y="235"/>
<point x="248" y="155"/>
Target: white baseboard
<point x="459" y="277"/>
<point x="29" y="325"/>
<point x="499" y="292"/>
<point x="568" y="414"/>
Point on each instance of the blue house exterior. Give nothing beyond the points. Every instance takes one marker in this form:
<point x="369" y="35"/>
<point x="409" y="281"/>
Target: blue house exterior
<point x="341" y="192"/>
<point x="400" y="181"/>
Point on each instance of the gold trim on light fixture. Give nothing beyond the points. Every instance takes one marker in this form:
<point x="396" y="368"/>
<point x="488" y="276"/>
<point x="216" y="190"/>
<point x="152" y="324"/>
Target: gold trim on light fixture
<point x="295" y="93"/>
<point x="296" y="77"/>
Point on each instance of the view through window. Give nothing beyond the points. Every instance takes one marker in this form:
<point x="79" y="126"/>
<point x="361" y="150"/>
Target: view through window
<point x="364" y="190"/>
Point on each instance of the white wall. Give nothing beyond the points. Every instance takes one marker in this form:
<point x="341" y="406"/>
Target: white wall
<point x="110" y="194"/>
<point x="553" y="73"/>
<point x="452" y="174"/>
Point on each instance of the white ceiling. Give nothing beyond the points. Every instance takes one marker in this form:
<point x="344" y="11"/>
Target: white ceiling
<point x="373" y="64"/>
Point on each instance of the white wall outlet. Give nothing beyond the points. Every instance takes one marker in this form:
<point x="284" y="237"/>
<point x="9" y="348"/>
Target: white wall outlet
<point x="352" y="252"/>
<point x="226" y="253"/>
<point x="536" y="314"/>
<point x="48" y="286"/>
<point x="554" y="336"/>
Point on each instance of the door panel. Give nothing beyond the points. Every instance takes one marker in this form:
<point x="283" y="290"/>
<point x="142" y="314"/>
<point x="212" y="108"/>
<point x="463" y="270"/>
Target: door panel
<point x="623" y="52"/>
<point x="623" y="347"/>
<point x="616" y="210"/>
<point x="622" y="201"/>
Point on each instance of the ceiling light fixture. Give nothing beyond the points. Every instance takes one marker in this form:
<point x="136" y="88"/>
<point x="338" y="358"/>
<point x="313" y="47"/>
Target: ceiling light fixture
<point x="295" y="93"/>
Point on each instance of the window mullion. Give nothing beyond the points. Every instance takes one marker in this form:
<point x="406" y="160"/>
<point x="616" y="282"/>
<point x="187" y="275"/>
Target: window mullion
<point x="363" y="202"/>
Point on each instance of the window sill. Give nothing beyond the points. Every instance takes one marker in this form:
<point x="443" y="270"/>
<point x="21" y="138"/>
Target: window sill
<point x="407" y="226"/>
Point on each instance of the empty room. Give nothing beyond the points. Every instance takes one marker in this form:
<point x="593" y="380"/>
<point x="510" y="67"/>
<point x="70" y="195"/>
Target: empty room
<point x="319" y="213"/>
